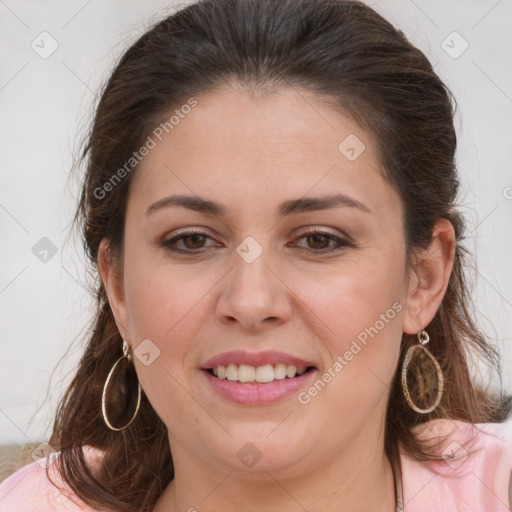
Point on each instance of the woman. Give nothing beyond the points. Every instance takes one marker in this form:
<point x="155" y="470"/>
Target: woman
<point x="283" y="321"/>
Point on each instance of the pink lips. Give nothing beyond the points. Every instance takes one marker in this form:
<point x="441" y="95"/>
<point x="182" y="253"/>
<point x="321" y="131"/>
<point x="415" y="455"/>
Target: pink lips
<point x="255" y="393"/>
<point x="254" y="359"/>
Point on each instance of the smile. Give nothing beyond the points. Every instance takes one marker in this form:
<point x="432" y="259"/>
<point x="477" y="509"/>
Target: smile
<point x="257" y="378"/>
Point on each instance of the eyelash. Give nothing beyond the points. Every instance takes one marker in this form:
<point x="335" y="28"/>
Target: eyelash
<point x="167" y="244"/>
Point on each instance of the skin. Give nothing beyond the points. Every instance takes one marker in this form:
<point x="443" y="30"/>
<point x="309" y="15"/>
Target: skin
<point x="251" y="152"/>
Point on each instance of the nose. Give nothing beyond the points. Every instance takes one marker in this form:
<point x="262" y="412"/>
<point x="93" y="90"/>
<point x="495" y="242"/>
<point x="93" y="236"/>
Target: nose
<point x="255" y="295"/>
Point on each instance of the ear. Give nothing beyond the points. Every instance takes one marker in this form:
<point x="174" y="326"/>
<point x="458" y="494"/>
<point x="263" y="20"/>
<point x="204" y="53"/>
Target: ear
<point x="111" y="277"/>
<point x="429" y="277"/>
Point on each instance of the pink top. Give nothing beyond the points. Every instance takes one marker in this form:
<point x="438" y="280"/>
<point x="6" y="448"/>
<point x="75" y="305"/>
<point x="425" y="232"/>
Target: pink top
<point x="474" y="475"/>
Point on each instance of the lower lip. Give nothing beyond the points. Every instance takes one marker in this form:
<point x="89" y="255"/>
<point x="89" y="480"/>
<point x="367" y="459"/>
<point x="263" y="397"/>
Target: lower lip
<point x="258" y="394"/>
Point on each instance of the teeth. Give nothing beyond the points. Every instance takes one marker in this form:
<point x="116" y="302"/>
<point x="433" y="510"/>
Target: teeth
<point x="280" y="371"/>
<point x="264" y="374"/>
<point x="246" y="373"/>
<point x="221" y="372"/>
<point x="232" y="372"/>
<point x="291" y="371"/>
<point x="260" y="374"/>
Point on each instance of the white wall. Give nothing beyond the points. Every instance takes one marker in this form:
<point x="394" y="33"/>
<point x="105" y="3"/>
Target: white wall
<point x="45" y="104"/>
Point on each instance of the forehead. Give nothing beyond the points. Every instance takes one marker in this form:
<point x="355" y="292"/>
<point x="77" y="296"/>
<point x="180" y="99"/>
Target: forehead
<point x="285" y="143"/>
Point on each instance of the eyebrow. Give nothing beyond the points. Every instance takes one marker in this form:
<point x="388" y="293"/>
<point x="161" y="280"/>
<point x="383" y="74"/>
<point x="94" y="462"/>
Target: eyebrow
<point x="290" y="207"/>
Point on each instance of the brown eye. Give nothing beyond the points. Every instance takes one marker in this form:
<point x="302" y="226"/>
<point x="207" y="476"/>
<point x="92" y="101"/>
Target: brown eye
<point x="321" y="242"/>
<point x="196" y="241"/>
<point x="188" y="242"/>
<point x="318" y="241"/>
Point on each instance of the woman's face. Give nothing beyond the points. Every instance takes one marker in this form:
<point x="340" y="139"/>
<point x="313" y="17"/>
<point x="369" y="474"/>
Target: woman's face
<point x="259" y="172"/>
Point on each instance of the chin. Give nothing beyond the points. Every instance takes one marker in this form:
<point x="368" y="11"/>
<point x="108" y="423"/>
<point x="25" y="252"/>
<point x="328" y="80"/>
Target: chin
<point x="259" y="454"/>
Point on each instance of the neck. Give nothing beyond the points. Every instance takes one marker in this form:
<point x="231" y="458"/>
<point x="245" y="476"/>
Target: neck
<point x="357" y="478"/>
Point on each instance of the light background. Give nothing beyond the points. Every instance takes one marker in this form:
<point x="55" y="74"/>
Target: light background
<point x="45" y="105"/>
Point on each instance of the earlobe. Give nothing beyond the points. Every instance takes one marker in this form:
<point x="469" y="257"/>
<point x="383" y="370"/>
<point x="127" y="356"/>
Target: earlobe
<point x="429" y="278"/>
<point x="110" y="277"/>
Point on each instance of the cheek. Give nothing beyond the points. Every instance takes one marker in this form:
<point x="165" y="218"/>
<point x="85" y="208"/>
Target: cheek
<point x="162" y="299"/>
<point x="167" y="310"/>
<point x="168" y="307"/>
<point x="174" y="401"/>
<point x="362" y="306"/>
<point x="362" y="351"/>
<point x="355" y="296"/>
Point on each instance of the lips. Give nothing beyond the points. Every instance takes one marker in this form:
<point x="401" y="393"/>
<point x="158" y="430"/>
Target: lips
<point x="261" y="380"/>
<point x="256" y="394"/>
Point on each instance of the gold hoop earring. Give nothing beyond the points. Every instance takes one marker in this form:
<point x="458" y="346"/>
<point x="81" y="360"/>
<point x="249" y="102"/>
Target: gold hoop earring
<point x="422" y="378"/>
<point x="126" y="356"/>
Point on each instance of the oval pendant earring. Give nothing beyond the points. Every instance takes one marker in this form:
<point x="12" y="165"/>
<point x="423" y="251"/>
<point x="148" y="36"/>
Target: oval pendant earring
<point x="422" y="377"/>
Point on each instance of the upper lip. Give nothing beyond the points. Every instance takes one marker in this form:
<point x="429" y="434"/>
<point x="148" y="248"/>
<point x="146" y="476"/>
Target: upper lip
<point x="254" y="359"/>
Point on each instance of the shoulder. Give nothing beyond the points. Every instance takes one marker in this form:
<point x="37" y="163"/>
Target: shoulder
<point x="29" y="488"/>
<point x="473" y="470"/>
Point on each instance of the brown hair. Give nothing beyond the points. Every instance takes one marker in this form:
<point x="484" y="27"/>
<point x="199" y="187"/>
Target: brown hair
<point x="347" y="54"/>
